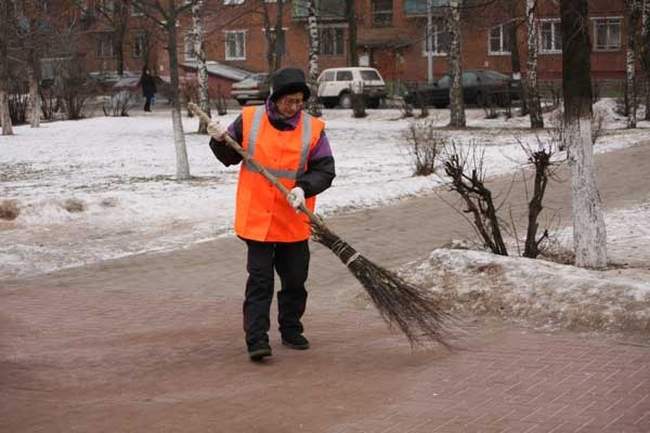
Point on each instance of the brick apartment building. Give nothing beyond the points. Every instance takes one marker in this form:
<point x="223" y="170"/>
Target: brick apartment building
<point x="391" y="36"/>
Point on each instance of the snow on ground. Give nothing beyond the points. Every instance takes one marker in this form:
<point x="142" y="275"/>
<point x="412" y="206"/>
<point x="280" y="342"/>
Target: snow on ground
<point x="118" y="173"/>
<point x="550" y="294"/>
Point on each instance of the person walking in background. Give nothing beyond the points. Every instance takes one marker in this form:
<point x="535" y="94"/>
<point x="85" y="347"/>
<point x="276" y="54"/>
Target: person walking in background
<point x="148" y="83"/>
<point x="293" y="146"/>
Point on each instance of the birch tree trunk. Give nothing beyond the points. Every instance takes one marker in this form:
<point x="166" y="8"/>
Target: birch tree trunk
<point x="182" y="163"/>
<point x="589" y="235"/>
<point x="34" y="97"/>
<point x="6" y="19"/>
<point x="633" y="14"/>
<point x="532" y="86"/>
<point x="645" y="53"/>
<point x="313" y="107"/>
<point x="456" y="103"/>
<point x="202" y="68"/>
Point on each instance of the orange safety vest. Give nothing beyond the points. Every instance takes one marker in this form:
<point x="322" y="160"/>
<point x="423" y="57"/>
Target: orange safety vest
<point x="263" y="213"/>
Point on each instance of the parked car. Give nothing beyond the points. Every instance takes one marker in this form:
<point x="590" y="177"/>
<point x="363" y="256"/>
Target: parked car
<point x="255" y="87"/>
<point x="335" y="86"/>
<point x="481" y="87"/>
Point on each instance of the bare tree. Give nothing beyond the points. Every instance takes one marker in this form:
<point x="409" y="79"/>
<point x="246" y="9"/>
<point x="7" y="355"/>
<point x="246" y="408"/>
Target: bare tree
<point x="633" y="15"/>
<point x="274" y="34"/>
<point x="313" y="107"/>
<point x="198" y="36"/>
<point x="456" y="103"/>
<point x="532" y="87"/>
<point x="166" y="16"/>
<point x="645" y="53"/>
<point x="589" y="235"/>
<point x="351" y="18"/>
<point x="7" y="34"/>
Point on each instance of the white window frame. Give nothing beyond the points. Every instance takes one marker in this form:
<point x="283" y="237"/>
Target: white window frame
<point x="104" y="43"/>
<point x="619" y="45"/>
<point x="139" y="36"/>
<point x="556" y="36"/>
<point x="226" y="53"/>
<point x="188" y="47"/>
<point x="284" y="30"/>
<point x="335" y="28"/>
<point x="502" y="52"/>
<point x="436" y="43"/>
<point x="233" y="2"/>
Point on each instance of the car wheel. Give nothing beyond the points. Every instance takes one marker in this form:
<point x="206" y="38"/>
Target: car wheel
<point x="242" y="102"/>
<point x="345" y="100"/>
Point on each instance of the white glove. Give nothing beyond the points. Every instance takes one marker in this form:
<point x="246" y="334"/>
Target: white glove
<point x="296" y="197"/>
<point x="216" y="130"/>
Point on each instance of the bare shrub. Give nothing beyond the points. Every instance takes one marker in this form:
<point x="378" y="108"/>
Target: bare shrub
<point x="423" y="144"/>
<point x="18" y="101"/>
<point x="553" y="251"/>
<point x="119" y="104"/>
<point x="542" y="161"/>
<point x="74" y="205"/>
<point x="405" y="109"/>
<point x="467" y="175"/>
<point x="9" y="210"/>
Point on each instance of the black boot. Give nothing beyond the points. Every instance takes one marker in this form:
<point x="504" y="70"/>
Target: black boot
<point x="295" y="341"/>
<point x="258" y="351"/>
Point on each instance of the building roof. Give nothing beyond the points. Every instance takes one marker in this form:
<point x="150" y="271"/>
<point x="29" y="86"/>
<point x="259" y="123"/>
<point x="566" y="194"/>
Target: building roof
<point x="221" y="70"/>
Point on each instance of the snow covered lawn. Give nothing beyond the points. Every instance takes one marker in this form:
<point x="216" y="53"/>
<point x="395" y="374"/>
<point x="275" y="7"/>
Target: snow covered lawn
<point x="104" y="187"/>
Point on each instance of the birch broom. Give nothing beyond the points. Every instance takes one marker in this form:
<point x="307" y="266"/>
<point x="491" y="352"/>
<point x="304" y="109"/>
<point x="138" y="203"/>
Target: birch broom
<point x="414" y="310"/>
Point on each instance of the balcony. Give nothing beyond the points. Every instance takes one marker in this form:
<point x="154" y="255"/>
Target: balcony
<point x="325" y="9"/>
<point x="419" y="7"/>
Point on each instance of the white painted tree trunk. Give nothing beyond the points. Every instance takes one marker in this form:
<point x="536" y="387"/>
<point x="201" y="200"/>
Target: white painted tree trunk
<point x="202" y="68"/>
<point x="532" y="87"/>
<point x="312" y="25"/>
<point x="645" y="53"/>
<point x="182" y="163"/>
<point x="5" y="117"/>
<point x="589" y="233"/>
<point x="456" y="103"/>
<point x="633" y="9"/>
<point x="34" y="99"/>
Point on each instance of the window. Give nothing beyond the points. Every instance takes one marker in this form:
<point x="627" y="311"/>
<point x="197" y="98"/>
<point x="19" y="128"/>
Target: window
<point x="439" y="40"/>
<point x="382" y="13"/>
<point x="236" y="45"/>
<point x="500" y="40"/>
<point x="139" y="44"/>
<point x="190" y="53"/>
<point x="607" y="34"/>
<point x="328" y="76"/>
<point x="280" y="42"/>
<point x="104" y="46"/>
<point x="344" y="76"/>
<point x="233" y="2"/>
<point x="331" y="41"/>
<point x="104" y="6"/>
<point x="136" y="10"/>
<point x="550" y="39"/>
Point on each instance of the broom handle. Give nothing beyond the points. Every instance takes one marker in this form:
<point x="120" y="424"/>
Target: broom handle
<point x="274" y="180"/>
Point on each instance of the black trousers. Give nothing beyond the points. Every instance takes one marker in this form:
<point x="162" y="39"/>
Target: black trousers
<point x="291" y="262"/>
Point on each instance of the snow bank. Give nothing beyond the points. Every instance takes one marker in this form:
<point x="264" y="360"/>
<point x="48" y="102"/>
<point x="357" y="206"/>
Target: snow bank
<point x="544" y="293"/>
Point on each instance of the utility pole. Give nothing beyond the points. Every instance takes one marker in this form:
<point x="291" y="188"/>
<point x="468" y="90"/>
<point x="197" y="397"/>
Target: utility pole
<point x="429" y="42"/>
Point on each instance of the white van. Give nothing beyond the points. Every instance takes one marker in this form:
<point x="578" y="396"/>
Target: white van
<point x="335" y="86"/>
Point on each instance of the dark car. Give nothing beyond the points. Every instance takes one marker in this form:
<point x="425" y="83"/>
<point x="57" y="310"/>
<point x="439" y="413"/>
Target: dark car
<point x="481" y="87"/>
<point x="255" y="87"/>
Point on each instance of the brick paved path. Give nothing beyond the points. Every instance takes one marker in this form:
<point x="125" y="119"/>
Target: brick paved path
<point x="153" y="343"/>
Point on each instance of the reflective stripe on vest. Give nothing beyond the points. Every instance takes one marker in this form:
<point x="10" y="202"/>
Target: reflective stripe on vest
<point x="304" y="151"/>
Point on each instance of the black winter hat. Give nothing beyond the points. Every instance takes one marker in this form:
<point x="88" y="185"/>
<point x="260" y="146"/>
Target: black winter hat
<point x="288" y="80"/>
